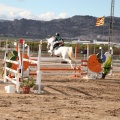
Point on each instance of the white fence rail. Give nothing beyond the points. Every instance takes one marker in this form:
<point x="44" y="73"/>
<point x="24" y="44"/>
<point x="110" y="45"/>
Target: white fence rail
<point x="116" y="66"/>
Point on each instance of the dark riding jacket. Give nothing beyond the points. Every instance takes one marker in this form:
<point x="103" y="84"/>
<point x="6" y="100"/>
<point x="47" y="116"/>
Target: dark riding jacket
<point x="58" y="38"/>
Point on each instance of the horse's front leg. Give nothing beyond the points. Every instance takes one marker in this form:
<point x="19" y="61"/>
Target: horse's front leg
<point x="50" y="52"/>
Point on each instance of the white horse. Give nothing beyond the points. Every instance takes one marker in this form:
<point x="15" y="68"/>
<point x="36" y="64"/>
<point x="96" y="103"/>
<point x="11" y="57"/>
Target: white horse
<point x="65" y="52"/>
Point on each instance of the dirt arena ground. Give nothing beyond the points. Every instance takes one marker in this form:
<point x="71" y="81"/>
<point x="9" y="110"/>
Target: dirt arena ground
<point x="65" y="98"/>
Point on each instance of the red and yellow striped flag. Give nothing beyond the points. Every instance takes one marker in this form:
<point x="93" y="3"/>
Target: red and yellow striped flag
<point x="100" y="21"/>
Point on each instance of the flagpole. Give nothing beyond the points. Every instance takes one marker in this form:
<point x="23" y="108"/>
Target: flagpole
<point x="111" y="25"/>
<point x="103" y="30"/>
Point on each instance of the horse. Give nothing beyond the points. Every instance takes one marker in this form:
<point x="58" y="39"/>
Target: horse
<point x="64" y="51"/>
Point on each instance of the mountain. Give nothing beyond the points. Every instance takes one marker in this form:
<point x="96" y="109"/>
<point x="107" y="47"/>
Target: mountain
<point x="76" y="27"/>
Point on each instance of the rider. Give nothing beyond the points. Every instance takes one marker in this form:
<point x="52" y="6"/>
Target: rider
<point x="58" y="41"/>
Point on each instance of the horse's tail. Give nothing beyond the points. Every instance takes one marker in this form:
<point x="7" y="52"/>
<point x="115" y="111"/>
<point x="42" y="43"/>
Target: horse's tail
<point x="70" y="54"/>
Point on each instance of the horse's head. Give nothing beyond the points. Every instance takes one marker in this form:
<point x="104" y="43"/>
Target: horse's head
<point x="50" y="42"/>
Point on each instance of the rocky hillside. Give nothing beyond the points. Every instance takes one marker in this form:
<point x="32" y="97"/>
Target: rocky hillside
<point x="76" y="27"/>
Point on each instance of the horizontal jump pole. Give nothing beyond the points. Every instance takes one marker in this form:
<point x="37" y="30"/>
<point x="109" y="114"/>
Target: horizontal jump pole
<point x="84" y="65"/>
<point x="66" y="69"/>
<point x="53" y="64"/>
<point x="83" y="60"/>
<point x="34" y="73"/>
<point x="58" y="69"/>
<point x="116" y="61"/>
<point x="11" y="70"/>
<point x="49" y="59"/>
<point x="31" y="61"/>
<point x="11" y="61"/>
<point x="10" y="79"/>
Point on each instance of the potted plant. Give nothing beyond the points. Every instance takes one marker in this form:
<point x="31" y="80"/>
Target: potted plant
<point x="106" y="67"/>
<point x="26" y="84"/>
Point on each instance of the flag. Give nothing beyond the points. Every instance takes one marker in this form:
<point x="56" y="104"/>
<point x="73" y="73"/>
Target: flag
<point x="100" y="21"/>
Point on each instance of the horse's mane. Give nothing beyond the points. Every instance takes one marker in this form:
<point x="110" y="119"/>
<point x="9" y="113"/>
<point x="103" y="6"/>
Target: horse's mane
<point x="51" y="39"/>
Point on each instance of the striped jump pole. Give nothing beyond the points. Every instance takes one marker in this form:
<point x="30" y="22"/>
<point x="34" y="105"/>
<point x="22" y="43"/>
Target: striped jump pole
<point x="38" y="81"/>
<point x="17" y="72"/>
<point x="36" y="62"/>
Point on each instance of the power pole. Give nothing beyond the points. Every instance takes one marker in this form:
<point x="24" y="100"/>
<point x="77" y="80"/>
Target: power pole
<point x="111" y="24"/>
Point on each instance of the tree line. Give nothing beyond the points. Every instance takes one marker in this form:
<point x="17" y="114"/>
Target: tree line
<point x="93" y="49"/>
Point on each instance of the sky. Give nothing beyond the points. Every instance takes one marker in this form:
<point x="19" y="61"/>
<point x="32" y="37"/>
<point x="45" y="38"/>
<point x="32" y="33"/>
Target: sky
<point x="55" y="9"/>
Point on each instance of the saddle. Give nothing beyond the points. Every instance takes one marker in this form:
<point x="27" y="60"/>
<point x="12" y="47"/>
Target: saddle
<point x="56" y="46"/>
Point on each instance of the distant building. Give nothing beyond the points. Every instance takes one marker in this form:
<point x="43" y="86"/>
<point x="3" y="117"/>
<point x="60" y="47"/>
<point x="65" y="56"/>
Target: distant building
<point x="80" y="42"/>
<point x="101" y="42"/>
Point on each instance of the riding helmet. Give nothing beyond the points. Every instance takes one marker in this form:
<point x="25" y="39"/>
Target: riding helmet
<point x="57" y="34"/>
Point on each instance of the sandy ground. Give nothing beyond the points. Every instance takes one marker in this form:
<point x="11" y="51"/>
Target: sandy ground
<point x="65" y="98"/>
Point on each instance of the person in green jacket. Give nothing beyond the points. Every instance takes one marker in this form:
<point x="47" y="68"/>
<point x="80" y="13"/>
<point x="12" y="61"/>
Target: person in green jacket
<point x="58" y="41"/>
